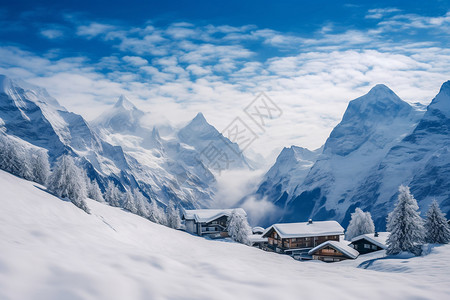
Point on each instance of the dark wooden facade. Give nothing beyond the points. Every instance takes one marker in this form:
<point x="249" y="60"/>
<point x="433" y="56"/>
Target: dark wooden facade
<point x="217" y="227"/>
<point x="329" y="254"/>
<point x="275" y="241"/>
<point x="364" y="246"/>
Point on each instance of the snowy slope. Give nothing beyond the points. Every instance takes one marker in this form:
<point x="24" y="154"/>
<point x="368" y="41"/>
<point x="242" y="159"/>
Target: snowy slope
<point x="52" y="250"/>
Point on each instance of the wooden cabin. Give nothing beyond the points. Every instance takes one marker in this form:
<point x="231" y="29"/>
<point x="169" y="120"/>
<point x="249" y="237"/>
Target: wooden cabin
<point x="297" y="238"/>
<point x="367" y="243"/>
<point x="208" y="222"/>
<point x="333" y="251"/>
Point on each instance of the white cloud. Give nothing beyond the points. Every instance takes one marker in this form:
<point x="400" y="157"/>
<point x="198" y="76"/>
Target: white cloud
<point x="135" y="60"/>
<point x="378" y="13"/>
<point x="94" y="29"/>
<point x="52" y="33"/>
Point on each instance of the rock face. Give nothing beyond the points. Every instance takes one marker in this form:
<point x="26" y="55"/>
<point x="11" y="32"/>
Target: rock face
<point x="116" y="146"/>
<point x="381" y="143"/>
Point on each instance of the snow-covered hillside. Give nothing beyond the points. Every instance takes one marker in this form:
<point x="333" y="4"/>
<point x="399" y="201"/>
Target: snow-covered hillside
<point x="49" y="249"/>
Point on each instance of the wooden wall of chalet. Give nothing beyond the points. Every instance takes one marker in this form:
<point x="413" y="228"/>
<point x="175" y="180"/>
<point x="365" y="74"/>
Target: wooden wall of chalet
<point x="298" y="243"/>
<point x="329" y="254"/>
<point x="363" y="246"/>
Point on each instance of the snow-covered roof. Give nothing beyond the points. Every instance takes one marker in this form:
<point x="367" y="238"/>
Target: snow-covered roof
<point x="207" y="215"/>
<point x="342" y="247"/>
<point x="305" y="229"/>
<point x="257" y="238"/>
<point x="379" y="240"/>
<point x="257" y="229"/>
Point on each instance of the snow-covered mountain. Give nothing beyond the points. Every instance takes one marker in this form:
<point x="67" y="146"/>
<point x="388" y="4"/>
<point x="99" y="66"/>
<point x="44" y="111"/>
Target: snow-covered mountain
<point x="290" y="168"/>
<point x="421" y="160"/>
<point x="117" y="147"/>
<point x="353" y="169"/>
<point x="52" y="250"/>
<point x="174" y="165"/>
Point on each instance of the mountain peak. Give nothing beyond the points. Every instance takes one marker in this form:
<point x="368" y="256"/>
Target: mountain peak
<point x="381" y="92"/>
<point x="199" y="118"/>
<point x="442" y="100"/>
<point x="445" y="88"/>
<point x="125" y="103"/>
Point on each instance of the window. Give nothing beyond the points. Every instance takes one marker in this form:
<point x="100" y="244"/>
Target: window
<point x="307" y="239"/>
<point x="214" y="222"/>
<point x="275" y="235"/>
<point x="374" y="247"/>
<point x="366" y="246"/>
<point x="294" y="240"/>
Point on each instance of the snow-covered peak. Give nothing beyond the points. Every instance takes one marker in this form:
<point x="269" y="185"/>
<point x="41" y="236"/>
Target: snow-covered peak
<point x="199" y="127"/>
<point x="122" y="117"/>
<point x="380" y="101"/>
<point x="19" y="90"/>
<point x="370" y="117"/>
<point x="125" y="103"/>
<point x="442" y="100"/>
<point x="199" y="120"/>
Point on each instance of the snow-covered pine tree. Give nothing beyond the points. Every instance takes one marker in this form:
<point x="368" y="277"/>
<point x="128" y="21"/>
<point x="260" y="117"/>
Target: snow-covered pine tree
<point x="405" y="225"/>
<point x="94" y="191"/>
<point x="173" y="216"/>
<point x="156" y="214"/>
<point x="238" y="228"/>
<point x="437" y="230"/>
<point x="14" y="159"/>
<point x="128" y="202"/>
<point x="67" y="181"/>
<point x="112" y="194"/>
<point x="40" y="168"/>
<point x="141" y="203"/>
<point x="360" y="223"/>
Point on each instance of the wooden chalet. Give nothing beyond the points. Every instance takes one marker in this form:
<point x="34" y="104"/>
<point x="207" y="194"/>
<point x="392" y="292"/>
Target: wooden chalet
<point x="367" y="243"/>
<point x="333" y="251"/>
<point x="297" y="239"/>
<point x="208" y="222"/>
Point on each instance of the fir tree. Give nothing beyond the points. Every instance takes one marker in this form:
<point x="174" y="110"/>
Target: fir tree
<point x="141" y="203"/>
<point x="156" y="214"/>
<point x="112" y="194"/>
<point x="360" y="223"/>
<point x="67" y="181"/>
<point x="238" y="228"/>
<point x="128" y="202"/>
<point x="436" y="226"/>
<point x="94" y="191"/>
<point x="173" y="216"/>
<point x="405" y="225"/>
<point x="40" y="168"/>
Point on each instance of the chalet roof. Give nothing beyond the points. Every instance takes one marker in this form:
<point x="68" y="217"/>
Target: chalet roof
<point x="208" y="215"/>
<point x="379" y="240"/>
<point x="257" y="229"/>
<point x="306" y="229"/>
<point x="257" y="238"/>
<point x="342" y="247"/>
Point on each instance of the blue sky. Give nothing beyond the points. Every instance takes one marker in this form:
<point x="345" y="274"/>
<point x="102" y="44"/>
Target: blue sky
<point x="175" y="58"/>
